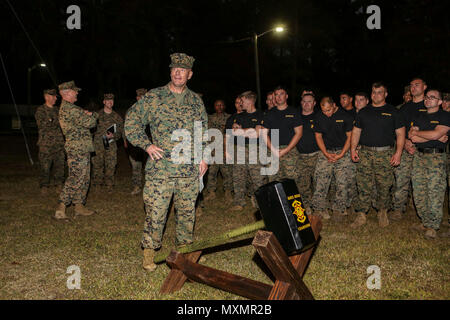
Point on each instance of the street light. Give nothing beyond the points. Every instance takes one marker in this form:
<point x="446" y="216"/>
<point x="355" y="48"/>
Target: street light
<point x="255" y="40"/>
<point x="42" y="65"/>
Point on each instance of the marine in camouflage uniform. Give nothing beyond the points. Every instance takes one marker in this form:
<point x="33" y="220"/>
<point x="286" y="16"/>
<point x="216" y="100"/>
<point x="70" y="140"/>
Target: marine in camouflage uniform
<point x="166" y="109"/>
<point x="402" y="187"/>
<point x="429" y="164"/>
<point x="50" y="142"/>
<point x="377" y="128"/>
<point x="218" y="121"/>
<point x="105" y="159"/>
<point x="288" y="121"/>
<point x="247" y="126"/>
<point x="309" y="151"/>
<point x="75" y="124"/>
<point x="332" y="128"/>
<point x="136" y="156"/>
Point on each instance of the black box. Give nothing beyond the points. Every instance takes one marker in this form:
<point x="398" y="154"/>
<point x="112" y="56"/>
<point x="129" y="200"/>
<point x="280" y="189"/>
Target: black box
<point x="283" y="211"/>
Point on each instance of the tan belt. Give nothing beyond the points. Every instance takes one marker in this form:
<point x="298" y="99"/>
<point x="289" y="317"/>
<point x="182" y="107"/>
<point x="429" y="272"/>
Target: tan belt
<point x="385" y="148"/>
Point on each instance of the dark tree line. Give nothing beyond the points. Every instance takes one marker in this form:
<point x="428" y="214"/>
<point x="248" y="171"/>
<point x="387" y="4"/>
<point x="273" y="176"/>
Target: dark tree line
<point x="124" y="45"/>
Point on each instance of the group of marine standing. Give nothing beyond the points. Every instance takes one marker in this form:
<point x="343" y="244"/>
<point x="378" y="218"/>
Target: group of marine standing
<point x="344" y="159"/>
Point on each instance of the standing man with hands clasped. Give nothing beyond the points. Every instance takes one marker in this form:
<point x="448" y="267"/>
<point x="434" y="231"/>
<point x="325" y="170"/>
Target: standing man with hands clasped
<point x="50" y="142"/>
<point x="167" y="109"/>
<point x="332" y="128"/>
<point x="377" y="128"/>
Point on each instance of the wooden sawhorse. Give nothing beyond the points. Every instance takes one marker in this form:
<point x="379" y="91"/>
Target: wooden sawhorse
<point x="288" y="271"/>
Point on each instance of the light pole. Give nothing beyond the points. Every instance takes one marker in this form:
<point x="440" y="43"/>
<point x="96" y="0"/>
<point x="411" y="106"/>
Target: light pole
<point x="42" y="65"/>
<point x="255" y="40"/>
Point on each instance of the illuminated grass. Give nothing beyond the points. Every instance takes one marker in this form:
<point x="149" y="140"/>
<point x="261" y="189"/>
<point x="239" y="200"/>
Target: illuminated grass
<point x="36" y="249"/>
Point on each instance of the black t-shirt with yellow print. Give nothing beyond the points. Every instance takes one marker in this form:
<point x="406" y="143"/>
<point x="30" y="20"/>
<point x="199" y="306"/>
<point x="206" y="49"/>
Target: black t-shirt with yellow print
<point x="429" y="121"/>
<point x="307" y="143"/>
<point x="285" y="121"/>
<point x="378" y="125"/>
<point x="334" y="128"/>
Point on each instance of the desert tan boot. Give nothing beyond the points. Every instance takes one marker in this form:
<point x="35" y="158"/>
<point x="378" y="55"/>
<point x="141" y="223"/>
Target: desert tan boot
<point x="136" y="191"/>
<point x="210" y="196"/>
<point x="430" y="233"/>
<point x="359" y="221"/>
<point x="228" y="195"/>
<point x="44" y="191"/>
<point x="396" y="215"/>
<point x="419" y="227"/>
<point x="148" y="263"/>
<point x="61" y="211"/>
<point x="81" y="210"/>
<point x="383" y="220"/>
<point x="237" y="208"/>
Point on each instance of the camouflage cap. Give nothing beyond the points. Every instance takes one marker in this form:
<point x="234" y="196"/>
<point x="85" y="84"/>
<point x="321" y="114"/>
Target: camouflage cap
<point x="141" y="92"/>
<point x="446" y="96"/>
<point x="181" y="60"/>
<point x="108" y="96"/>
<point x="68" y="85"/>
<point x="51" y="92"/>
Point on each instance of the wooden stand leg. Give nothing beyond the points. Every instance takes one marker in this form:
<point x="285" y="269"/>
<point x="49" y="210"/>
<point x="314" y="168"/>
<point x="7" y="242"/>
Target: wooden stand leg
<point x="218" y="279"/>
<point x="176" y="278"/>
<point x="288" y="271"/>
<point x="290" y="285"/>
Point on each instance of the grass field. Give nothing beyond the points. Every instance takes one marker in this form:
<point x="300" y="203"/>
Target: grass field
<point x="36" y="250"/>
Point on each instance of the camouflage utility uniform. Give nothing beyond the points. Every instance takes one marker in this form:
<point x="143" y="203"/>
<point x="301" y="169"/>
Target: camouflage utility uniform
<point x="76" y="125"/>
<point x="105" y="159"/>
<point x="51" y="145"/>
<point x="429" y="171"/>
<point x="218" y="121"/>
<point x="160" y="109"/>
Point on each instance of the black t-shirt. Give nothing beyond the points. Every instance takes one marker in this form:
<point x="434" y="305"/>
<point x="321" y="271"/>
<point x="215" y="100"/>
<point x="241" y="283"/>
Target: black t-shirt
<point x="334" y="128"/>
<point x="378" y="125"/>
<point x="232" y="119"/>
<point x="307" y="143"/>
<point x="250" y="120"/>
<point x="410" y="111"/>
<point x="351" y="112"/>
<point x="429" y="121"/>
<point x="285" y="121"/>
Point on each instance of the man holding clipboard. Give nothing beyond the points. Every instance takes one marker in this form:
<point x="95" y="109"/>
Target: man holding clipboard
<point x="109" y="130"/>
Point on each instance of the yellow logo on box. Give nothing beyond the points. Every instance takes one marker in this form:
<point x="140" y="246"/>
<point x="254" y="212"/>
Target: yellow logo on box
<point x="299" y="211"/>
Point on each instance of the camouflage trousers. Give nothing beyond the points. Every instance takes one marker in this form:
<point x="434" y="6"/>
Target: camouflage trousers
<point x="352" y="192"/>
<point x="402" y="185"/>
<point x="247" y="178"/>
<point x="104" y="165"/>
<point x="448" y="181"/>
<point x="306" y="182"/>
<point x="288" y="166"/>
<point x="374" y="169"/>
<point x="47" y="158"/>
<point x="429" y="184"/>
<point x="77" y="183"/>
<point x="226" y="171"/>
<point x="323" y="174"/>
<point x="136" y="172"/>
<point x="157" y="195"/>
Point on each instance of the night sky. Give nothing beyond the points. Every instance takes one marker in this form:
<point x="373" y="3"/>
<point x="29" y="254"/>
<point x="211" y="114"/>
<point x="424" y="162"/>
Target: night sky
<point x="125" y="45"/>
